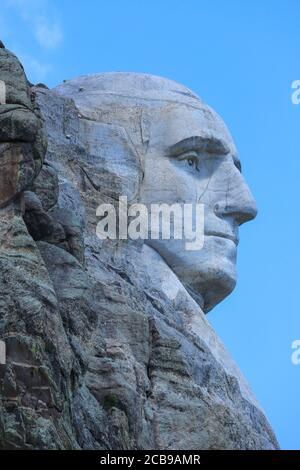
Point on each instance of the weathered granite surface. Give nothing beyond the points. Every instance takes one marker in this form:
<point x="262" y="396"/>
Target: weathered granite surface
<point x="106" y="348"/>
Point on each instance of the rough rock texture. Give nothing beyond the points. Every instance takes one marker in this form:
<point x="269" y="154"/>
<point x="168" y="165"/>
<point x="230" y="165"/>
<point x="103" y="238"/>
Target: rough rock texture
<point x="22" y="141"/>
<point x="99" y="355"/>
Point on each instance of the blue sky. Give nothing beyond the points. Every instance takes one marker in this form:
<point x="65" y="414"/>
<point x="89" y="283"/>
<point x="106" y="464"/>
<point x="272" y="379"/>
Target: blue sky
<point x="241" y="58"/>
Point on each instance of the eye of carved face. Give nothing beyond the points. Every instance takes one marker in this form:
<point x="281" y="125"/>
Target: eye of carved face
<point x="191" y="158"/>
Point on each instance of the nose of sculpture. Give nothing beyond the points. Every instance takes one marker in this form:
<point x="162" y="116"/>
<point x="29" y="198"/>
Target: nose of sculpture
<point x="239" y="204"/>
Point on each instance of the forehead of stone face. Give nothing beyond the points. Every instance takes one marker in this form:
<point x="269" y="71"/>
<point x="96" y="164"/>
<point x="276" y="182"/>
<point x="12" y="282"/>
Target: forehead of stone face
<point x="149" y="107"/>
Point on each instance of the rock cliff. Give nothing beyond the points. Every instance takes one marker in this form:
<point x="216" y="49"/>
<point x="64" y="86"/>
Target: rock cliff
<point x="99" y="354"/>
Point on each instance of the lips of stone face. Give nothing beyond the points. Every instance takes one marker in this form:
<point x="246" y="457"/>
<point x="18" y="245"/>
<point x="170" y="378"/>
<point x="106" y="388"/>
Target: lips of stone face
<point x="22" y="139"/>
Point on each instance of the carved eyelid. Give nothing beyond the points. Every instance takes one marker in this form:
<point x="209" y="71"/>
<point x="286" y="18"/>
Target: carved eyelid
<point x="187" y="154"/>
<point x="196" y="153"/>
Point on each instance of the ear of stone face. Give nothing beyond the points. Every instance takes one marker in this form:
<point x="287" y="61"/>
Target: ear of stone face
<point x="22" y="138"/>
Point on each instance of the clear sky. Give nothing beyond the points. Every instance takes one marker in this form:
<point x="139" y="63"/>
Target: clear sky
<point x="241" y="58"/>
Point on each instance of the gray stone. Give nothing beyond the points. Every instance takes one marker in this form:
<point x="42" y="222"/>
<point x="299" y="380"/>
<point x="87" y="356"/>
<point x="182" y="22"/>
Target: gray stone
<point x="107" y="348"/>
<point x="46" y="188"/>
<point x="22" y="138"/>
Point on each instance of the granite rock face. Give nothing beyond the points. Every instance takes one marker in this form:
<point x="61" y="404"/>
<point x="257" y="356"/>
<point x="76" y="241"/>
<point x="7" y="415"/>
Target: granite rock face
<point x="106" y="349"/>
<point x="22" y="140"/>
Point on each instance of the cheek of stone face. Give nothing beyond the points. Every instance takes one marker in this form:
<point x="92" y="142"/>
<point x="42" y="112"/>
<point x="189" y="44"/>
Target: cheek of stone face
<point x="170" y="181"/>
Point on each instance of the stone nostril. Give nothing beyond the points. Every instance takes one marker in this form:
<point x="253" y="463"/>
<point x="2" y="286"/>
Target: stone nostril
<point x="248" y="215"/>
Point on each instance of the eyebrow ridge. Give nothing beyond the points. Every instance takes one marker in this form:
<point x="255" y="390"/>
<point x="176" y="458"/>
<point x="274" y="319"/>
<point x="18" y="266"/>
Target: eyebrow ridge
<point x="207" y="144"/>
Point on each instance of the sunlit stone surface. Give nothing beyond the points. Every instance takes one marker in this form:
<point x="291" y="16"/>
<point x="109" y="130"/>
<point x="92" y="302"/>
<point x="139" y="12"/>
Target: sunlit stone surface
<point x="107" y="343"/>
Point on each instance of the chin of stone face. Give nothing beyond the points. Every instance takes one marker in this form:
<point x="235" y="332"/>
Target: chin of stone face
<point x="105" y="343"/>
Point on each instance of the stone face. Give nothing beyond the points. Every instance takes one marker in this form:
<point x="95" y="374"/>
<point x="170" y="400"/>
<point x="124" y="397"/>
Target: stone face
<point x="106" y="348"/>
<point x="186" y="155"/>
